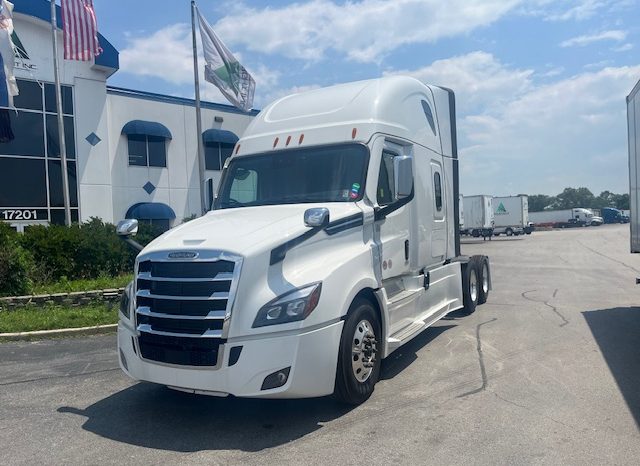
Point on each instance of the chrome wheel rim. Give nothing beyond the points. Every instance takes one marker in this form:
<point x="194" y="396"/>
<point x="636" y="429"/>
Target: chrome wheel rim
<point x="363" y="351"/>
<point x="473" y="286"/>
<point x="485" y="279"/>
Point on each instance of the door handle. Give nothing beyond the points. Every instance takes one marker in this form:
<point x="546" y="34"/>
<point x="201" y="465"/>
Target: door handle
<point x="406" y="250"/>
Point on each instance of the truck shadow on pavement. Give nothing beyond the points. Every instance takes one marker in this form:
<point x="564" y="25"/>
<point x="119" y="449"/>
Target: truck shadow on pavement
<point x="617" y="332"/>
<point x="153" y="416"/>
<point x="404" y="356"/>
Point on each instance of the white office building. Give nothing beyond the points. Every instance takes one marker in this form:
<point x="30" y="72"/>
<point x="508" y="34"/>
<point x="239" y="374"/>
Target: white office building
<point x="130" y="153"/>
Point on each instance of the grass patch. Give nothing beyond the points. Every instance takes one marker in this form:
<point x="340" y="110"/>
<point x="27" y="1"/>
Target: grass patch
<point x="67" y="286"/>
<point x="50" y="317"/>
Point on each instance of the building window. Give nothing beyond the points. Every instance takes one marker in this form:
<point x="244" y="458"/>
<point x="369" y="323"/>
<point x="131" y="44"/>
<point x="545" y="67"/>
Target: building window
<point x="147" y="151"/>
<point x="30" y="169"/>
<point x="216" y="154"/>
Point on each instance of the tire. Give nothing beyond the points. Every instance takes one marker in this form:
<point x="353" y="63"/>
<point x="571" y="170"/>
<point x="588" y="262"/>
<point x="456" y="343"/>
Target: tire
<point x="483" y="278"/>
<point x="475" y="233"/>
<point x="508" y="232"/>
<point x="470" y="282"/>
<point x="355" y="380"/>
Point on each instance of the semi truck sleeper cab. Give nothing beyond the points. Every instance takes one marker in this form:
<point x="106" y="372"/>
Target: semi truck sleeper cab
<point x="333" y="240"/>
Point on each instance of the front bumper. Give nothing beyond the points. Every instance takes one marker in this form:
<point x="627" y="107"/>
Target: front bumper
<point x="311" y="354"/>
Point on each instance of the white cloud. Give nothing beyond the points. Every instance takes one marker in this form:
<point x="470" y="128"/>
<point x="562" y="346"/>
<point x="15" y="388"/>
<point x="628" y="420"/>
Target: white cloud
<point x="572" y="10"/>
<point x="479" y="80"/>
<point x="166" y="54"/>
<point x="569" y="133"/>
<point x="173" y="62"/>
<point x="363" y="31"/>
<point x="580" y="41"/>
<point x="623" y="47"/>
<point x="521" y="134"/>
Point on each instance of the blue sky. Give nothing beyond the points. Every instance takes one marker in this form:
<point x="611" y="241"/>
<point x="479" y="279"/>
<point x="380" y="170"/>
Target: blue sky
<point x="540" y="84"/>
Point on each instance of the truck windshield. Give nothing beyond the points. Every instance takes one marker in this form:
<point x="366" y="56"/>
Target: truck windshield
<point x="320" y="174"/>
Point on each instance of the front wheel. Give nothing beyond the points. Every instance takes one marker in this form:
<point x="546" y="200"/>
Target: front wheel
<point x="359" y="355"/>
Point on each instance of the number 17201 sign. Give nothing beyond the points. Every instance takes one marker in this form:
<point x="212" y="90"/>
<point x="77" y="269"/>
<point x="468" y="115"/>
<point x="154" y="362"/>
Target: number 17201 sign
<point x="9" y="215"/>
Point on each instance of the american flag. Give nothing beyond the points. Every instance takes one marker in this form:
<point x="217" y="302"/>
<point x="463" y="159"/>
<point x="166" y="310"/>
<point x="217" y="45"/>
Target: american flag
<point x="80" y="30"/>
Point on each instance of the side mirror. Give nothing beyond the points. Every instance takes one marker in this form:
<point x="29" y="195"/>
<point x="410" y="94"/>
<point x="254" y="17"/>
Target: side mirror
<point x="210" y="193"/>
<point x="128" y="227"/>
<point x="403" y="176"/>
<point x="316" y="217"/>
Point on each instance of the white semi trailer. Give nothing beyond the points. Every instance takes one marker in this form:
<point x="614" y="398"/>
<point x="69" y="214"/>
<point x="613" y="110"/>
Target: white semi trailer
<point x="478" y="216"/>
<point x="563" y="218"/>
<point x="633" y="125"/>
<point x="332" y="241"/>
<point x="511" y="215"/>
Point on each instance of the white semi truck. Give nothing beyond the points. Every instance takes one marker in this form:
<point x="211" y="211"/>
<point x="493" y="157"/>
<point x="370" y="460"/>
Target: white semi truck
<point x="564" y="218"/>
<point x="478" y="216"/>
<point x="332" y="241"/>
<point x="511" y="215"/>
<point x="633" y="126"/>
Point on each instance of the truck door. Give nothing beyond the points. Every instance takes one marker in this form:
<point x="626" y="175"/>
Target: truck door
<point x="439" y="224"/>
<point x="393" y="227"/>
<point x="394" y="224"/>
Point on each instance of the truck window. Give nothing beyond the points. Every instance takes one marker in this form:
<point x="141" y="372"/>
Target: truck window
<point x="437" y="187"/>
<point x="386" y="185"/>
<point x="244" y="187"/>
<point x="320" y="174"/>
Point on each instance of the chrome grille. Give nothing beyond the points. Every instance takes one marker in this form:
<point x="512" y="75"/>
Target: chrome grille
<point x="183" y="306"/>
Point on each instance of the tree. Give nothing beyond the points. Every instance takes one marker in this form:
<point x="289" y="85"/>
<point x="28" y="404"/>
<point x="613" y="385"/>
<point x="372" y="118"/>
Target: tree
<point x="538" y="202"/>
<point x="571" y="198"/>
<point x="622" y="201"/>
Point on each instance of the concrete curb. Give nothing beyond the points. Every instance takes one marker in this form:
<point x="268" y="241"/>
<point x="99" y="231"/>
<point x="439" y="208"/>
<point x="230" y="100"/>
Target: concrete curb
<point x="64" y="332"/>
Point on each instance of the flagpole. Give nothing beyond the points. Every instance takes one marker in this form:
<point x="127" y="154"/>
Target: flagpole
<point x="63" y="143"/>
<point x="196" y="78"/>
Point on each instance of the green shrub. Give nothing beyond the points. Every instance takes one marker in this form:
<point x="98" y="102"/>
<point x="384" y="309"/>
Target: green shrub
<point x="16" y="264"/>
<point x="81" y="251"/>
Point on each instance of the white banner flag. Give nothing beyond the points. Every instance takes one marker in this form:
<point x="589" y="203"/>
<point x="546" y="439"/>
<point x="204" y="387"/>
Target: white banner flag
<point x="223" y="70"/>
<point x="8" y="85"/>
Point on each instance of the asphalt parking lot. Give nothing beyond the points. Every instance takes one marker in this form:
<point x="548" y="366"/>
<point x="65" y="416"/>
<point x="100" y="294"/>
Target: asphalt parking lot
<point x="547" y="372"/>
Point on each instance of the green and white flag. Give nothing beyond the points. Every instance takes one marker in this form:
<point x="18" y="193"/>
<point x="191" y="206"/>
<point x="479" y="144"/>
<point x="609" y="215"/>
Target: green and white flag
<point x="223" y="70"/>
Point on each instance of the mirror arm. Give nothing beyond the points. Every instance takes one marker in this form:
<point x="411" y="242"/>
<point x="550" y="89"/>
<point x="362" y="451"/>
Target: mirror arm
<point x="134" y="244"/>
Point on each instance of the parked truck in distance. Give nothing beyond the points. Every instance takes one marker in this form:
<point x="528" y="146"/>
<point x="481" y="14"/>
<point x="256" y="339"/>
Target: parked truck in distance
<point x="565" y="218"/>
<point x="511" y="215"/>
<point x="633" y="128"/>
<point x="333" y="241"/>
<point x="478" y="216"/>
<point x="612" y="215"/>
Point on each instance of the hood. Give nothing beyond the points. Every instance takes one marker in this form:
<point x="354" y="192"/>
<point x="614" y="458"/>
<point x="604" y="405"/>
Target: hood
<point x="245" y="230"/>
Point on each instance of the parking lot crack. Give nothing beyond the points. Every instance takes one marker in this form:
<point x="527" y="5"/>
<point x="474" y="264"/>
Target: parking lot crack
<point x="546" y="303"/>
<point x="610" y="258"/>
<point x="483" y="370"/>
<point x="530" y="410"/>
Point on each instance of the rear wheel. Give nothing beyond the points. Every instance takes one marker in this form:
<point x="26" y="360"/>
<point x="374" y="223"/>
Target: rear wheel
<point x="508" y="232"/>
<point x="470" y="287"/>
<point x="359" y="355"/>
<point x="483" y="267"/>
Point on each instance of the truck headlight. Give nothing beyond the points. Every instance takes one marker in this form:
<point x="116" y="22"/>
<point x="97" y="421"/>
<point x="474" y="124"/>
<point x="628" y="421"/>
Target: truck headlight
<point x="125" y="300"/>
<point x="290" y="307"/>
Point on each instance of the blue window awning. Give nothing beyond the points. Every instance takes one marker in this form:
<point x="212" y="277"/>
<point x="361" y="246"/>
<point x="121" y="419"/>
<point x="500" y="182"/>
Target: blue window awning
<point x="212" y="136"/>
<point x="146" y="128"/>
<point x="150" y="211"/>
